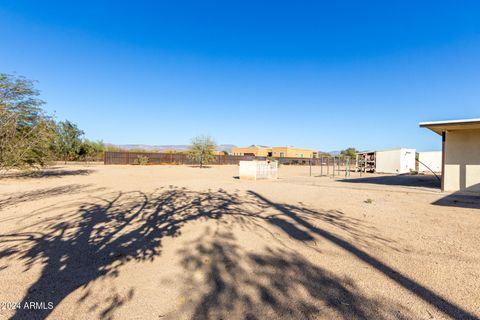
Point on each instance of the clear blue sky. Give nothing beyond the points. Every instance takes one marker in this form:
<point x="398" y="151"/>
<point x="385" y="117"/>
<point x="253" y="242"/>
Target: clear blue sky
<point x="320" y="74"/>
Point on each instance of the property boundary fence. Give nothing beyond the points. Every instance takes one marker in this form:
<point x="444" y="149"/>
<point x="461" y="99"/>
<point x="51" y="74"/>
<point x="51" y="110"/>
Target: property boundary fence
<point x="114" y="157"/>
<point x="97" y="157"/>
<point x="328" y="165"/>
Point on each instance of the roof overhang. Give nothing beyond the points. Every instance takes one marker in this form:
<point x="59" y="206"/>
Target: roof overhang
<point x="441" y="126"/>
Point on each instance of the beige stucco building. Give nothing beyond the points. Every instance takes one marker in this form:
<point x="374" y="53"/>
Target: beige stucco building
<point x="292" y="152"/>
<point x="277" y="152"/>
<point x="253" y="150"/>
<point x="460" y="153"/>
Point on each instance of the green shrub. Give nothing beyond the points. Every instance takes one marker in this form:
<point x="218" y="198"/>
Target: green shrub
<point x="141" y="160"/>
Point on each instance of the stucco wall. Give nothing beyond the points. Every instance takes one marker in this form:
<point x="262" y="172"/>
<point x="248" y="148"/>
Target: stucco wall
<point x="462" y="160"/>
<point x="276" y="152"/>
<point x="430" y="159"/>
<point x="292" y="152"/>
<point x="260" y="152"/>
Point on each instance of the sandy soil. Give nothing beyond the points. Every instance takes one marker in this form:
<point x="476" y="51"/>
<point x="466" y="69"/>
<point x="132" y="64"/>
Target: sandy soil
<point x="176" y="242"/>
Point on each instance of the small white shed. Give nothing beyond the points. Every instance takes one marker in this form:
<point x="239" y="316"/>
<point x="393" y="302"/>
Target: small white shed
<point x="395" y="161"/>
<point x="258" y="170"/>
<point x="430" y="161"/>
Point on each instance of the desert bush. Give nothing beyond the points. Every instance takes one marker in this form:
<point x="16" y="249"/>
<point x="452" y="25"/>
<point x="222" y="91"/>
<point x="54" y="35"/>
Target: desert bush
<point x="141" y="160"/>
<point x="90" y="149"/>
<point x="68" y="140"/>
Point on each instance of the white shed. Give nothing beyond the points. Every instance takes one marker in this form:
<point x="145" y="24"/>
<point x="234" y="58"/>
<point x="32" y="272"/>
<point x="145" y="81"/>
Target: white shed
<point x="258" y="170"/>
<point x="430" y="161"/>
<point x="395" y="161"/>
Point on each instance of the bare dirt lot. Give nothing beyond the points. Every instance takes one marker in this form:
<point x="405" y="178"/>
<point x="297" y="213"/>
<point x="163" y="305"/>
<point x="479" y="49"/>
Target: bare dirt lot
<point x="177" y="242"/>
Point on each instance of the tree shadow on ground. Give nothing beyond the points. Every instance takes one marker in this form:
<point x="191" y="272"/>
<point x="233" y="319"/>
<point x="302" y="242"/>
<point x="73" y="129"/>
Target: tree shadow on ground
<point x="95" y="240"/>
<point x="46" y="173"/>
<point x="225" y="281"/>
<point x="419" y="181"/>
<point x="39" y="194"/>
<point x="301" y="217"/>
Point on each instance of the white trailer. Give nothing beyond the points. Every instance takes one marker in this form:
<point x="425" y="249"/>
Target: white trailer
<point x="397" y="161"/>
<point x="430" y="161"/>
<point x="258" y="170"/>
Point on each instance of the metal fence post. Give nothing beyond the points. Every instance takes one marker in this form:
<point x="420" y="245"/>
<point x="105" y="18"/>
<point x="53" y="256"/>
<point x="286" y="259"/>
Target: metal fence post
<point x="333" y="169"/>
<point x="321" y="167"/>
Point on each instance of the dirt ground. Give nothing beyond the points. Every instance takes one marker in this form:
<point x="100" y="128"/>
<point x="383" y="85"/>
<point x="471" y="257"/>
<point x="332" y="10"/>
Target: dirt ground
<point x="177" y="242"/>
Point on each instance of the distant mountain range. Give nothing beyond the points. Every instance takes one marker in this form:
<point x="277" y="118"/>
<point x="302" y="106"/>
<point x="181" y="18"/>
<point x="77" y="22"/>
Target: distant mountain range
<point x="175" y="147"/>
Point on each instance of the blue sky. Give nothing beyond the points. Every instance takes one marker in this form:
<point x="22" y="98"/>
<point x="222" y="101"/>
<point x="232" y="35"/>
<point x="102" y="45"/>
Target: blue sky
<point x="320" y="74"/>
